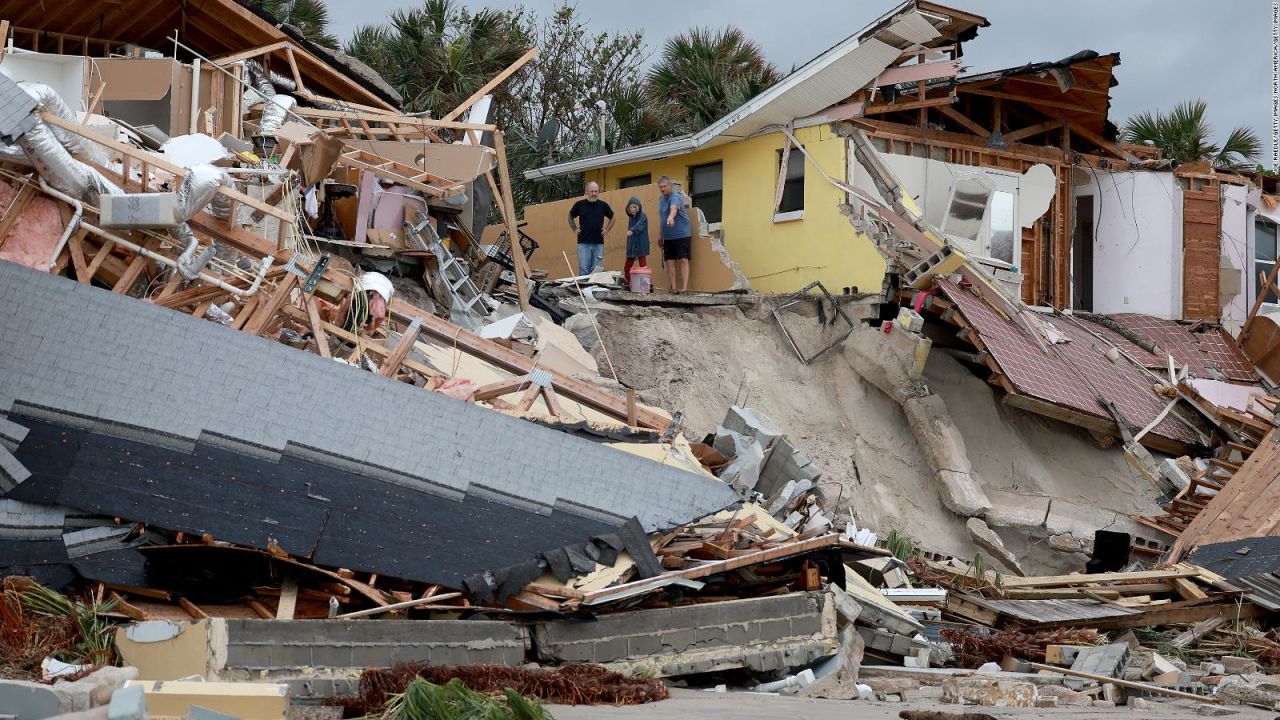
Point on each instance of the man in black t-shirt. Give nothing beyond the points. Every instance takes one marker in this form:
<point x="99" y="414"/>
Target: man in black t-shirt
<point x="587" y="220"/>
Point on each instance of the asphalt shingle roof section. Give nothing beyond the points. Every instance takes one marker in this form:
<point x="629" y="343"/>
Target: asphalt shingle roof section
<point x="1074" y="374"/>
<point x="132" y="369"/>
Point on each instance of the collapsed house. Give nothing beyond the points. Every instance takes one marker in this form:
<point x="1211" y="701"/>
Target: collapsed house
<point x="228" y="406"/>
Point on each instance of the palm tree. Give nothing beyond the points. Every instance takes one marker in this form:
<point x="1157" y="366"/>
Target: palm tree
<point x="311" y="17"/>
<point x="1183" y="134"/>
<point x="703" y="74"/>
<point x="439" y="54"/>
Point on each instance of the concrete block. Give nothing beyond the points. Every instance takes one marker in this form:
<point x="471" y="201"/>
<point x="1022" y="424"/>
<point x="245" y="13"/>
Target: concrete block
<point x="248" y="701"/>
<point x="985" y="538"/>
<point x="1238" y="666"/>
<point x="31" y="701"/>
<point x="988" y="692"/>
<point x="752" y="423"/>
<point x="127" y="704"/>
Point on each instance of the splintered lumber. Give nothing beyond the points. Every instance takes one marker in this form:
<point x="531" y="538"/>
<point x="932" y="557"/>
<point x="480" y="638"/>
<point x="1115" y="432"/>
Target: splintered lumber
<point x="288" y="598"/>
<point x="489" y="86"/>
<point x="1148" y="687"/>
<point x="400" y="606"/>
<point x="1202" y="628"/>
<point x="400" y="173"/>
<point x="714" y="568"/>
<point x="1096" y="579"/>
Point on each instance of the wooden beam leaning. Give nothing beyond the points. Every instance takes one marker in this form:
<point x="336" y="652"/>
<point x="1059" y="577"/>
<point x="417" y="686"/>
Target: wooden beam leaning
<point x="1026" y="132"/>
<point x="160" y="163"/>
<point x="959" y="117"/>
<point x="513" y="232"/>
<point x="407" y="339"/>
<point x="489" y="86"/>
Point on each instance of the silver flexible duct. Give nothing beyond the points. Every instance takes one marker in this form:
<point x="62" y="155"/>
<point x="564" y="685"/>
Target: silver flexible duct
<point x="48" y="100"/>
<point x="197" y="190"/>
<point x="64" y="172"/>
<point x="273" y="115"/>
<point x="258" y="78"/>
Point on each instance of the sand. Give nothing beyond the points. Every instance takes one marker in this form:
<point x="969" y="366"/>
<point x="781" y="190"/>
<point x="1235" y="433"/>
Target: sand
<point x="701" y="361"/>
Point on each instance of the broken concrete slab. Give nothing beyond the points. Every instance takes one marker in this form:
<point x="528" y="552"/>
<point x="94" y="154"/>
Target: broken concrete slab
<point x="32" y="700"/>
<point x="989" y="692"/>
<point x="762" y="634"/>
<point x="985" y="538"/>
<point x="1016" y="510"/>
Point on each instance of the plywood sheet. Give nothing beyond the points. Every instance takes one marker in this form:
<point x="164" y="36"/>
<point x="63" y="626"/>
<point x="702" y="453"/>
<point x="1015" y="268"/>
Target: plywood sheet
<point x="548" y="224"/>
<point x="1201" y="252"/>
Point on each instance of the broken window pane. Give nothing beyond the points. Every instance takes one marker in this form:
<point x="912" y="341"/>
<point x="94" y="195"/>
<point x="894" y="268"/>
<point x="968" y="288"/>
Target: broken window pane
<point x="1002" y="227"/>
<point x="793" y="189"/>
<point x="968" y="206"/>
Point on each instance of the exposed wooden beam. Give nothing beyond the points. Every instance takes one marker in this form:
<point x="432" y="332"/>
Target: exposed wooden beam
<point x="1030" y="100"/>
<point x="881" y="108"/>
<point x="1097" y="139"/>
<point x="1026" y="132"/>
<point x="489" y="86"/>
<point x="961" y="118"/>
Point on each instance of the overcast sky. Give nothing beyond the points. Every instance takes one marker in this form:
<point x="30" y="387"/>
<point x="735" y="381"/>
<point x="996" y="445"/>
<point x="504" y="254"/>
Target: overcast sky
<point x="1170" y="50"/>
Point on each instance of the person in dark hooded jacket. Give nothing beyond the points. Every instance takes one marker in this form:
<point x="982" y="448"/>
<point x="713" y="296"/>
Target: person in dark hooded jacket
<point x="637" y="239"/>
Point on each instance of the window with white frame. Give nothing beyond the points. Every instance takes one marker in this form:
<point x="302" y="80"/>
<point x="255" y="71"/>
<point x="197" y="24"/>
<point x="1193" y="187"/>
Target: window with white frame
<point x="981" y="220"/>
<point x="1264" y="254"/>
<point x="793" y="182"/>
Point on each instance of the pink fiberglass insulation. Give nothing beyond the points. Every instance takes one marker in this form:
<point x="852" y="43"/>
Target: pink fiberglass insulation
<point x="34" y="235"/>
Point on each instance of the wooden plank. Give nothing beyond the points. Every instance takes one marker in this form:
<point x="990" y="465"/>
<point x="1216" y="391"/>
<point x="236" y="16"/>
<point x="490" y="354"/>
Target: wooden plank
<point x="1029" y="131"/>
<point x="502" y="387"/>
<point x="133" y="612"/>
<point x="191" y="608"/>
<point x="398" y="120"/>
<point x="267" y="310"/>
<point x="513" y="231"/>
<point x="259" y="609"/>
<point x="396" y="358"/>
<point x="1148" y="687"/>
<point x="76" y="245"/>
<point x="722" y="566"/>
<point x="964" y="120"/>
<point x="1188" y="590"/>
<point x="1204" y="627"/>
<point x="489" y="86"/>
<point x="288" y="598"/>
<point x="317" y="328"/>
<point x="1096" y="578"/>
<point x="400" y="606"/>
<point x="881" y="108"/>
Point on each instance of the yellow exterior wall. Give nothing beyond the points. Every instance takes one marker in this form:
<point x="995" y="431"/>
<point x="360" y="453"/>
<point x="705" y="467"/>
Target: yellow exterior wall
<point x="783" y="256"/>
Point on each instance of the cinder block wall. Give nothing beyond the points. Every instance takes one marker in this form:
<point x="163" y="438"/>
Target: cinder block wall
<point x="276" y="648"/>
<point x="760" y="633"/>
